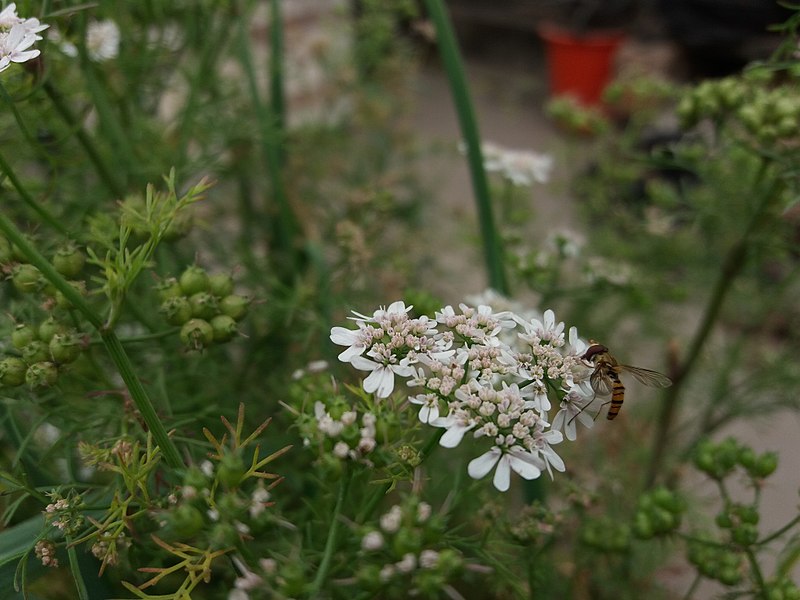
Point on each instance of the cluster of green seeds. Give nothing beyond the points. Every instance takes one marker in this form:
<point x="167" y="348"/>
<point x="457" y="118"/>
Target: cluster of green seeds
<point x="204" y="306"/>
<point x="40" y="351"/>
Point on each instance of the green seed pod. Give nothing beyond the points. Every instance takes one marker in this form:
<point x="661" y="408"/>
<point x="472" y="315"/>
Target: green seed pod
<point x="747" y="457"/>
<point x="234" y="306"/>
<point x="65" y="347"/>
<point x="729" y="576"/>
<point x="745" y="534"/>
<point x="224" y="328"/>
<point x="220" y="284"/>
<point x="223" y="535"/>
<point x="766" y="464"/>
<point x="49" y="327"/>
<point x="36" y="351"/>
<point x="16" y="252"/>
<point x="193" y="280"/>
<point x="41" y="374"/>
<point x="176" y="310"/>
<point x="169" y="288"/>
<point x="231" y="506"/>
<point x="69" y="261"/>
<point x="723" y="520"/>
<point x="22" y="336"/>
<point x="231" y="469"/>
<point x="195" y="478"/>
<point x="12" y="371"/>
<point x="204" y="305"/>
<point x="197" y="334"/>
<point x="26" y="279"/>
<point x="642" y="527"/>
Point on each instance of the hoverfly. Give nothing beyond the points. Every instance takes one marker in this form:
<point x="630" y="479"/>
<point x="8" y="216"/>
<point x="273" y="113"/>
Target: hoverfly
<point x="605" y="378"/>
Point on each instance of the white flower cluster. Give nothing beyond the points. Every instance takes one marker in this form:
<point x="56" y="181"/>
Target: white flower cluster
<point x="519" y="167"/>
<point x="102" y="41"/>
<point x="337" y="428"/>
<point x="390" y="523"/>
<point x="45" y="551"/>
<point x="17" y="35"/>
<point x="472" y="379"/>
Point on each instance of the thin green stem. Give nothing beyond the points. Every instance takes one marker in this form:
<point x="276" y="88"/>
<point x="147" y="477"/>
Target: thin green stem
<point x="110" y="340"/>
<point x="451" y="59"/>
<point x="775" y="535"/>
<point x="75" y="569"/>
<point x="45" y="215"/>
<point x="286" y="226"/>
<point x="136" y="339"/>
<point x="695" y="583"/>
<point x="333" y="529"/>
<point x="85" y="141"/>
<point x="757" y="574"/>
<point x="732" y="266"/>
<point x="276" y="87"/>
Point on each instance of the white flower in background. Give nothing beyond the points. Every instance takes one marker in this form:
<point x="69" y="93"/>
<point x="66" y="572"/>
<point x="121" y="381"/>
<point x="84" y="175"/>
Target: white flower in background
<point x="17" y="35"/>
<point x="407" y="564"/>
<point x="519" y="167"/>
<point x="428" y="559"/>
<point x="102" y="40"/>
<point x="390" y="521"/>
<point x="372" y="541"/>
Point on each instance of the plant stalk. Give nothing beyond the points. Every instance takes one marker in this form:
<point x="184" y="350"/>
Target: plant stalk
<point x="451" y="59"/>
<point x="330" y="543"/>
<point x="732" y="267"/>
<point x="45" y="215"/>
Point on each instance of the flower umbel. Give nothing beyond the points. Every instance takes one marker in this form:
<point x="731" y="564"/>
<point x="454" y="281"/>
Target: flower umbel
<point x="467" y="377"/>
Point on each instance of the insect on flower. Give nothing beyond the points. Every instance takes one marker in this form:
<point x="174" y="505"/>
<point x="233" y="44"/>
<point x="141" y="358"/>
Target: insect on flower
<point x="605" y="379"/>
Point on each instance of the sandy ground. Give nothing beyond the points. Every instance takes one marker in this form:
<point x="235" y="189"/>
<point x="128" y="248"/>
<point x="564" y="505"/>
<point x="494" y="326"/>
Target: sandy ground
<point x="509" y="89"/>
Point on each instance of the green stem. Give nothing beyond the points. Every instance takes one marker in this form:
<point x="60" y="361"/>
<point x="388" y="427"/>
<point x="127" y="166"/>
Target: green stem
<point x="757" y="574"/>
<point x="330" y="543"/>
<point x="732" y="266"/>
<point x="110" y="340"/>
<point x="695" y="582"/>
<point x="780" y="532"/>
<point x="277" y="97"/>
<point x="148" y="337"/>
<point x="286" y="225"/>
<point x="83" y="138"/>
<point x="448" y="50"/>
<point x="75" y="569"/>
<point x="40" y="210"/>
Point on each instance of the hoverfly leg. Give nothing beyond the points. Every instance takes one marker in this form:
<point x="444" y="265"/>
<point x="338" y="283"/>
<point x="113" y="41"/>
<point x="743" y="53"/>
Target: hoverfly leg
<point x="583" y="408"/>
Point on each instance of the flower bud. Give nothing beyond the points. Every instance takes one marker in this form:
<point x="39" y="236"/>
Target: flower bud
<point x="193" y="280"/>
<point x="231" y="469"/>
<point x="26" y="279"/>
<point x="12" y="371"/>
<point x="168" y="288"/>
<point x="49" y="327"/>
<point x="65" y="347"/>
<point x="69" y="261"/>
<point x="224" y="328"/>
<point x="220" y="284"/>
<point x="204" y="305"/>
<point x="36" y="351"/>
<point x="197" y="334"/>
<point x="22" y="336"/>
<point x="234" y="306"/>
<point x="41" y="374"/>
<point x="185" y="521"/>
<point x="766" y="464"/>
<point x="177" y="310"/>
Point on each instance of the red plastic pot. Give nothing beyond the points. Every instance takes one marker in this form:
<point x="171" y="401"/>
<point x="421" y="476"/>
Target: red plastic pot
<point x="580" y="65"/>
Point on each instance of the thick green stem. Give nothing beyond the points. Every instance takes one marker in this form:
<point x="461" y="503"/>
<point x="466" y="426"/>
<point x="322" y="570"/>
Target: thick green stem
<point x="451" y="59"/>
<point x="277" y="97"/>
<point x="732" y="266"/>
<point x="330" y="543"/>
<point x="110" y="340"/>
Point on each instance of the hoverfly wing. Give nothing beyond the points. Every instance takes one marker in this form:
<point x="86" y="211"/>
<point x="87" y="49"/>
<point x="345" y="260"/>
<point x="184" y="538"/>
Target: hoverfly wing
<point x="601" y="383"/>
<point x="647" y="377"/>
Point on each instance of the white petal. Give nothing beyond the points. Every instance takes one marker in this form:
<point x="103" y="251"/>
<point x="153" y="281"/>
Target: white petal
<point x="398" y="307"/>
<point x="364" y="364"/>
<point x="479" y="467"/>
<point x="380" y="381"/>
<point x="524" y="465"/>
<point x="343" y="336"/>
<point x="502" y="476"/>
<point x="453" y="436"/>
